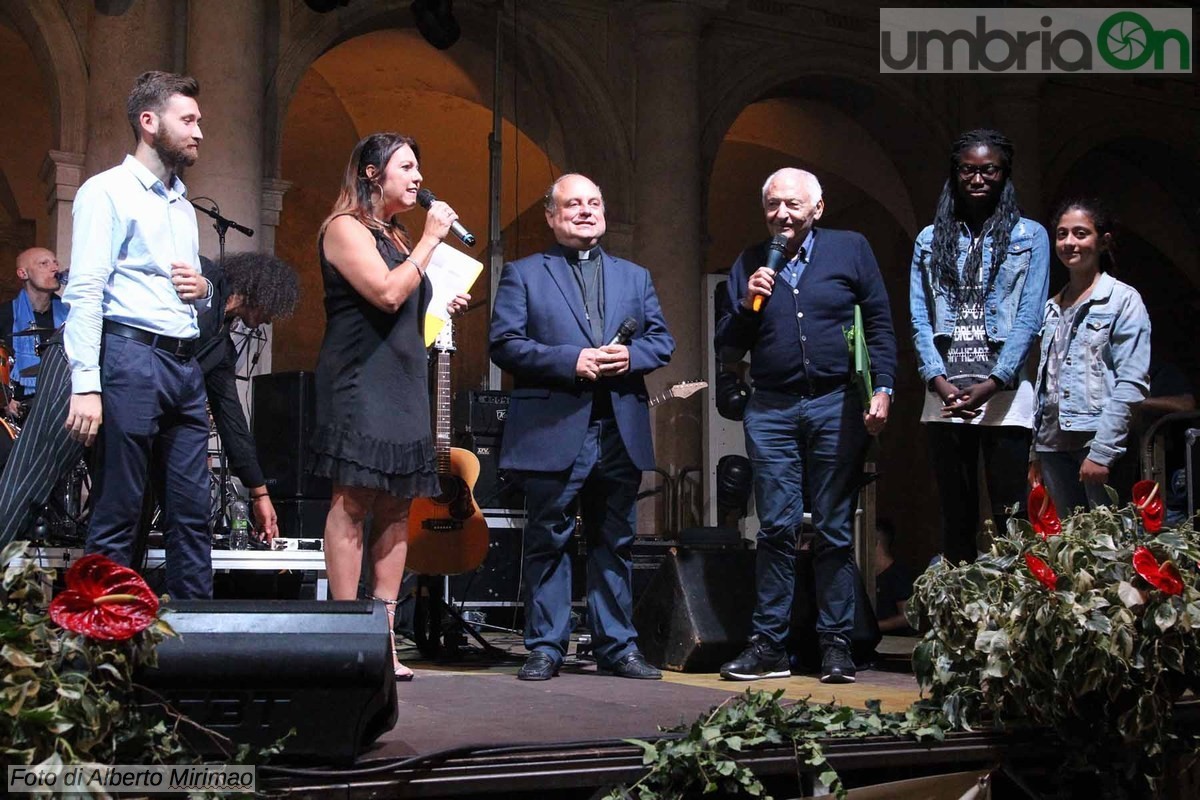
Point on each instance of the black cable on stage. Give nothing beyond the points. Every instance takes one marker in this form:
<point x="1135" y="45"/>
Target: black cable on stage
<point x="448" y="753"/>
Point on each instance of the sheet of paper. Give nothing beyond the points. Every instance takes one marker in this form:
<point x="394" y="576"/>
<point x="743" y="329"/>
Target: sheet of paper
<point x="451" y="272"/>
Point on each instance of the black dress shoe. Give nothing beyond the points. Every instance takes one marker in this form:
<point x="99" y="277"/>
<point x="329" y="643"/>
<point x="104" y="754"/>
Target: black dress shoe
<point x="538" y="667"/>
<point x="633" y="666"/>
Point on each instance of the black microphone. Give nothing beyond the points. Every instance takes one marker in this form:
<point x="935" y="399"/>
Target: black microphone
<point x="625" y="332"/>
<point x="425" y="199"/>
<point x="776" y="258"/>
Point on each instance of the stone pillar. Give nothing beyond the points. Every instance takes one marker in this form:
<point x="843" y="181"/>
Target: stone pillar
<point x="62" y="173"/>
<point x="667" y="238"/>
<point x="1015" y="104"/>
<point x="272" y="205"/>
<point x="119" y="49"/>
<point x="225" y="54"/>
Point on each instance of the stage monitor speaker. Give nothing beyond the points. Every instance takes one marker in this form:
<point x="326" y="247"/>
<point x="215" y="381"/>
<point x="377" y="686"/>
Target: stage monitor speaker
<point x="284" y="417"/>
<point x="253" y="670"/>
<point x="695" y="613"/>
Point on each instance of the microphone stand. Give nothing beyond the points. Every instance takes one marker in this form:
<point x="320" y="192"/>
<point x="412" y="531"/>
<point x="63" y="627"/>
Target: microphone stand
<point x="221" y="224"/>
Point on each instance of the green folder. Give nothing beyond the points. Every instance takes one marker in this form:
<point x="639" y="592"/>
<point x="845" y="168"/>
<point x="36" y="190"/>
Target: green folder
<point x="856" y="341"/>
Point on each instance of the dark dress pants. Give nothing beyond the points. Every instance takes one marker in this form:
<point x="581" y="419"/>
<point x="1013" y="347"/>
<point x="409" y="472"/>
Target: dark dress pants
<point x="151" y="396"/>
<point x="605" y="482"/>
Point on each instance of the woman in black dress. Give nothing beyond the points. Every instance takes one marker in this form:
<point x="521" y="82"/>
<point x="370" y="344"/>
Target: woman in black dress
<point x="374" y="439"/>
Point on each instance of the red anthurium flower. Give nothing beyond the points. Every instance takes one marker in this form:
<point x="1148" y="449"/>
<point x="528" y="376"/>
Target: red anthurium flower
<point x="1148" y="501"/>
<point x="1042" y="513"/>
<point x="1041" y="570"/>
<point x="104" y="600"/>
<point x="1161" y="576"/>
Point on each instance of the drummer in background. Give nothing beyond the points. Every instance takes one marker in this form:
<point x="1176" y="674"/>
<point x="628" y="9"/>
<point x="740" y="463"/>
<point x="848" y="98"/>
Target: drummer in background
<point x="36" y="306"/>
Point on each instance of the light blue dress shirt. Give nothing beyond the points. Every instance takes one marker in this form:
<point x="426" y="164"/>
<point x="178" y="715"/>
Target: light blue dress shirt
<point x="128" y="228"/>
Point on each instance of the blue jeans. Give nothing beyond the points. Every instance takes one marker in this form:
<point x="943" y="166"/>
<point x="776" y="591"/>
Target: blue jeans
<point x="1060" y="473"/>
<point x="794" y="441"/>
<point x="605" y="482"/>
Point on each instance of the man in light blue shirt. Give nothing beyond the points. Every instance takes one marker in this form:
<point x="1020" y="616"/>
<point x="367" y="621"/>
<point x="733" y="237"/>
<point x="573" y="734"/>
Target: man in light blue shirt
<point x="135" y="293"/>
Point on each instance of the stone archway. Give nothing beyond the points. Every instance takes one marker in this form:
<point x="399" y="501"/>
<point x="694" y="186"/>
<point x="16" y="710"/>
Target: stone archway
<point x="57" y="163"/>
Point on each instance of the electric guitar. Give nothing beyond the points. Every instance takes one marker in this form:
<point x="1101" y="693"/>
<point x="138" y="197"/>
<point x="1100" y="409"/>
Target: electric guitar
<point x="679" y="390"/>
<point x="447" y="534"/>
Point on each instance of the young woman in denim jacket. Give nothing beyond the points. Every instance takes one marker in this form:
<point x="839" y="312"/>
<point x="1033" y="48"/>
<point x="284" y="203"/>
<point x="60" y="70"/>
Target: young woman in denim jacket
<point x="1094" y="365"/>
<point x="979" y="278"/>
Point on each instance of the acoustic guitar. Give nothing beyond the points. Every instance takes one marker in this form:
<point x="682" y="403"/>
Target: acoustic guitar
<point x="447" y="534"/>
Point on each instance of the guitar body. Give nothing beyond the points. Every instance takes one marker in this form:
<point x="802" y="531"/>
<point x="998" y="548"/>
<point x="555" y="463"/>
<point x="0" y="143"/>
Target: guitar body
<point x="447" y="534"/>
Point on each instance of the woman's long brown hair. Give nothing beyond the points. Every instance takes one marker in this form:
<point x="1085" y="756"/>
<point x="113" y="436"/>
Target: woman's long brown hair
<point x="356" y="196"/>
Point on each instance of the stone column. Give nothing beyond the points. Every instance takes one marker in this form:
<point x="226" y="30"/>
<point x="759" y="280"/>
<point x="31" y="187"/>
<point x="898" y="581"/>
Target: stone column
<point x="225" y="54"/>
<point x="272" y="205"/>
<point x="1015" y="104"/>
<point x="62" y="173"/>
<point x="667" y="237"/>
<point x="119" y="49"/>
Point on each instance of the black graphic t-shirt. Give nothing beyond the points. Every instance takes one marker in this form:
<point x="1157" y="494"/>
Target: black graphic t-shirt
<point x="970" y="357"/>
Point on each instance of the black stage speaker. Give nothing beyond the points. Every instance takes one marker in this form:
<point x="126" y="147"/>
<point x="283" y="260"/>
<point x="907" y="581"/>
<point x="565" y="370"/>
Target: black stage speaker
<point x="284" y="417"/>
<point x="494" y="489"/>
<point x="303" y="518"/>
<point x="480" y="413"/>
<point x="498" y="578"/>
<point x="695" y="613"/>
<point x="252" y="670"/>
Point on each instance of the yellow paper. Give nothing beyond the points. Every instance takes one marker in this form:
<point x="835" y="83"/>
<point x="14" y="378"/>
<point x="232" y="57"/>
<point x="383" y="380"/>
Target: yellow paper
<point x="451" y="273"/>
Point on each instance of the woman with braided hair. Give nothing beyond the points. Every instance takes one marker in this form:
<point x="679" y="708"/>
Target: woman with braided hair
<point x="979" y="278"/>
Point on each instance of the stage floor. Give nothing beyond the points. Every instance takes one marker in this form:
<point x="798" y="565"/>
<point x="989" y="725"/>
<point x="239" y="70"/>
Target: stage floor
<point x="455" y="705"/>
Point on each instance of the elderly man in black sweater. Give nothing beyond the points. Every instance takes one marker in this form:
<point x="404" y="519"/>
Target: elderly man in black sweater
<point x="804" y="425"/>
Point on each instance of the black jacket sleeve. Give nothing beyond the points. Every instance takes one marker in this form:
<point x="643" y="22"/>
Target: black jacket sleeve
<point x="223" y="399"/>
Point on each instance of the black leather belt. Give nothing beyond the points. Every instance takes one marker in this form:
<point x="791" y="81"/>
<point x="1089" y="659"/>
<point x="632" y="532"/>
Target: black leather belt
<point x="180" y="348"/>
<point x="813" y="387"/>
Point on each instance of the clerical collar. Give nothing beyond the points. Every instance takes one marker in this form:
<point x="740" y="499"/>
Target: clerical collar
<point x="582" y="255"/>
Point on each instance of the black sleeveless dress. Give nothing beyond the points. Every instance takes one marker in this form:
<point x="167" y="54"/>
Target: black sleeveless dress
<point x="372" y="389"/>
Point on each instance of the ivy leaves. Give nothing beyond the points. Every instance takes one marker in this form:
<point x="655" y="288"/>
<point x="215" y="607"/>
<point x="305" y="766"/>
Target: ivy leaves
<point x="702" y="758"/>
<point x="1091" y="632"/>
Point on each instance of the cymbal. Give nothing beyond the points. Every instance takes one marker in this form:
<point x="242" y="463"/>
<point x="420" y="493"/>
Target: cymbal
<point x="35" y="332"/>
<point x="31" y="372"/>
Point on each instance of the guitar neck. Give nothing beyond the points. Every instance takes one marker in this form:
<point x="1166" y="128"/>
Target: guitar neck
<point x="661" y="397"/>
<point x="442" y="414"/>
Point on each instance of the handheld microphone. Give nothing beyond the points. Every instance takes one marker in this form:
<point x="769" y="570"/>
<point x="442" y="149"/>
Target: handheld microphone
<point x="776" y="258"/>
<point x="425" y="199"/>
<point x="625" y="332"/>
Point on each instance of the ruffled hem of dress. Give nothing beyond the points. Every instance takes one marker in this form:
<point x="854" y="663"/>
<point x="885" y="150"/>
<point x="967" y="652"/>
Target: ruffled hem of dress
<point x="348" y="473"/>
<point x="376" y="455"/>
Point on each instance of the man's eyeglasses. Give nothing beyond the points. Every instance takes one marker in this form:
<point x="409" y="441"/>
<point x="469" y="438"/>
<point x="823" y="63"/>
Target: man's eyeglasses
<point x="988" y="171"/>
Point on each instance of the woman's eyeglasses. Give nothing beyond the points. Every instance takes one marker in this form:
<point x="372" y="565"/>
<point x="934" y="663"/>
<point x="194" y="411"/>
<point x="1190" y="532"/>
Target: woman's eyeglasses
<point x="988" y="171"/>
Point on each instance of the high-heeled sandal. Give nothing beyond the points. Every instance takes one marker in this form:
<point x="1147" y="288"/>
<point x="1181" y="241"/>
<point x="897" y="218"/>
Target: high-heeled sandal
<point x="399" y="671"/>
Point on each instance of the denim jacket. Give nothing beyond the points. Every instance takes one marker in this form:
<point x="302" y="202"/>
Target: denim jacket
<point x="1106" y="370"/>
<point x="1013" y="305"/>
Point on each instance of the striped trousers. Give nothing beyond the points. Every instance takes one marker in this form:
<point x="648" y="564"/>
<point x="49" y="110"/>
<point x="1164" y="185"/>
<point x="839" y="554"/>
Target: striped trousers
<point x="43" y="452"/>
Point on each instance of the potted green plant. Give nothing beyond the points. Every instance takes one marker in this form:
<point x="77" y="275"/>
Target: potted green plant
<point x="1086" y="626"/>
